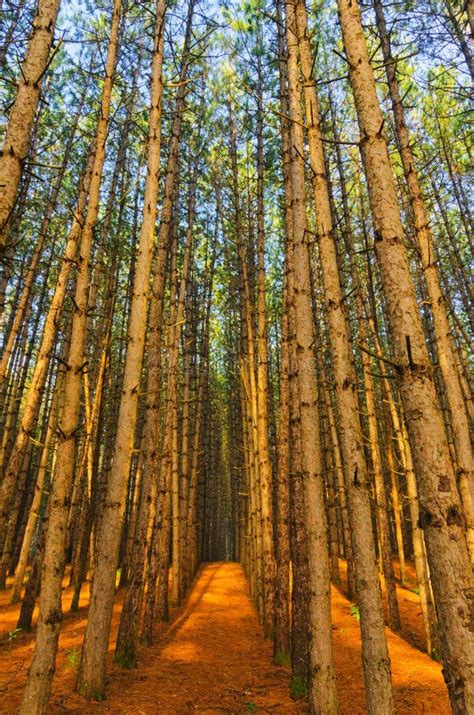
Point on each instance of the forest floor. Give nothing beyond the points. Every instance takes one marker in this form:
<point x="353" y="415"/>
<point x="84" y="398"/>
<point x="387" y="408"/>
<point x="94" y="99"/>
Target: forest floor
<point x="212" y="658"/>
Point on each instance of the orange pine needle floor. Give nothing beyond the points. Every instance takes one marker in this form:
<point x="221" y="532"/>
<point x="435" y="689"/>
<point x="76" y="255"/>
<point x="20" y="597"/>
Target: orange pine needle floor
<point x="212" y="658"/>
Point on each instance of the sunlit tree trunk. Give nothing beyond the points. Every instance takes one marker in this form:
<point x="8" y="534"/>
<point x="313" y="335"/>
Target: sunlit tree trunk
<point x="425" y="239"/>
<point x="440" y="508"/>
<point x="32" y="398"/>
<point x="36" y="695"/>
<point x="91" y="675"/>
<point x="322" y="681"/>
<point x="375" y="653"/>
<point x="265" y="467"/>
<point x="21" y="309"/>
<point x="23" y="111"/>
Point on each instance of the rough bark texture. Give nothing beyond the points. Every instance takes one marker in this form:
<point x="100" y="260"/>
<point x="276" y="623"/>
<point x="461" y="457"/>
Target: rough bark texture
<point x="322" y="682"/>
<point x="22" y="113"/>
<point x="375" y="653"/>
<point x="91" y="676"/>
<point x="36" y="695"/>
<point x="440" y="508"/>
<point x="428" y="255"/>
<point x="265" y="466"/>
<point x="34" y="394"/>
<point x="282" y="630"/>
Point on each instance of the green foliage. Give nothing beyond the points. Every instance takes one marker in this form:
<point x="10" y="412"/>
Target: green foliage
<point x="298" y="687"/>
<point x="282" y="658"/>
<point x="125" y="659"/>
<point x="354" y="610"/>
<point x="73" y="655"/>
<point x="14" y="634"/>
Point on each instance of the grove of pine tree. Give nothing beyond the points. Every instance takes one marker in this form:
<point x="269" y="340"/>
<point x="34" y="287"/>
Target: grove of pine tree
<point x="236" y="352"/>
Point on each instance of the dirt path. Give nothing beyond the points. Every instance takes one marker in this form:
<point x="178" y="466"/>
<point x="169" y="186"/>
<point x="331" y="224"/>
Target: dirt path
<point x="213" y="659"/>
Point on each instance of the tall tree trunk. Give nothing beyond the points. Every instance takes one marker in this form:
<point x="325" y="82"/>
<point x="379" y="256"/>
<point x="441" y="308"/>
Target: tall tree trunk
<point x="37" y="691"/>
<point x="282" y="637"/>
<point x="173" y="365"/>
<point x="440" y="509"/>
<point x="249" y="381"/>
<point x="425" y="240"/>
<point x="23" y="111"/>
<point x="38" y="493"/>
<point x="91" y="675"/>
<point x="27" y="283"/>
<point x="264" y="466"/>
<point x="281" y="643"/>
<point x="376" y="660"/>
<point x="34" y="394"/>
<point x="323" y="694"/>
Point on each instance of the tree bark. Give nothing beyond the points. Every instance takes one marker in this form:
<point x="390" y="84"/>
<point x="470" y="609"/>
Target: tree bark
<point x="440" y="509"/>
<point x="376" y="659"/>
<point x="442" y="328"/>
<point x="23" y="111"/>
<point x="33" y="397"/>
<point x="91" y="675"/>
<point x="322" y="685"/>
<point x="37" y="691"/>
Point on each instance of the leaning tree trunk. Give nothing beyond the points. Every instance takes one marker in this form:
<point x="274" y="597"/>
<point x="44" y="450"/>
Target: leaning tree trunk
<point x="459" y="34"/>
<point x="23" y="111"/>
<point x="425" y="239"/>
<point x="32" y="399"/>
<point x="39" y="488"/>
<point x="27" y="284"/>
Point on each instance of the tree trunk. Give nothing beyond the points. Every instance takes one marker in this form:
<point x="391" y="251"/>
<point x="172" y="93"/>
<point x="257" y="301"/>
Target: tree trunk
<point x="376" y="660"/>
<point x="36" y="694"/>
<point x="440" y="508"/>
<point x="265" y="467"/>
<point x="323" y="694"/>
<point x="91" y="675"/>
<point x="425" y="240"/>
<point x="23" y="111"/>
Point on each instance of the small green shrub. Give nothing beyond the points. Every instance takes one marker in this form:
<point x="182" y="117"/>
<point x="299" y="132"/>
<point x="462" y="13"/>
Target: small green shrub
<point x="355" y="613"/>
<point x="298" y="687"/>
<point x="282" y="658"/>
<point x="13" y="634"/>
<point x="73" y="657"/>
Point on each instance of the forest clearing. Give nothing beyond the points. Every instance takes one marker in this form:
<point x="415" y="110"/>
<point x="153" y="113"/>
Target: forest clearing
<point x="236" y="330"/>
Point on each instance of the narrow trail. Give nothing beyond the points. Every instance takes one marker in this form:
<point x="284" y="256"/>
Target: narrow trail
<point x="213" y="659"/>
